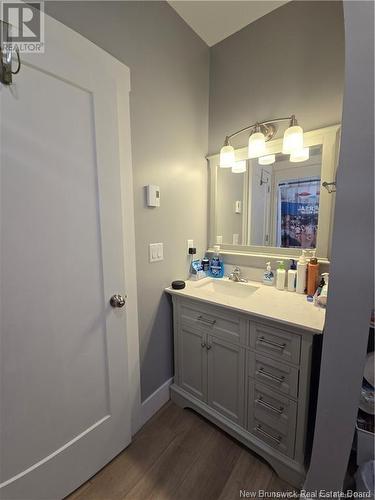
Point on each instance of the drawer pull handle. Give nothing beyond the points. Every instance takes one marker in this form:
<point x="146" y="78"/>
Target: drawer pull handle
<point x="261" y="402"/>
<point x="259" y="429"/>
<point x="262" y="372"/>
<point x="271" y="343"/>
<point x="205" y="320"/>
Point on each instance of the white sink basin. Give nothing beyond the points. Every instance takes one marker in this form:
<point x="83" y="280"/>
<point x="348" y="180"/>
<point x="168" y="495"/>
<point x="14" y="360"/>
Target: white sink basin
<point x="226" y="288"/>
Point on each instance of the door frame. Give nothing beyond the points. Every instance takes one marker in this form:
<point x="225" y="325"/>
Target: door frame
<point x="120" y="74"/>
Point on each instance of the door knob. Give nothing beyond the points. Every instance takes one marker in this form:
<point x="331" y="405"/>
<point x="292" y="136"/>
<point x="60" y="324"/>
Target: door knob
<point x="117" y="300"/>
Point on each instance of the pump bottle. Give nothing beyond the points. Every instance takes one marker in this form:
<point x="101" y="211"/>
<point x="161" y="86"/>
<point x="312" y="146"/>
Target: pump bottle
<point x="280" y="275"/>
<point x="301" y="273"/>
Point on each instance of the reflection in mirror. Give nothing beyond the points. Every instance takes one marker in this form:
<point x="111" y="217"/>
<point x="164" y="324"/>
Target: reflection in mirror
<point x="230" y="206"/>
<point x="270" y="205"/>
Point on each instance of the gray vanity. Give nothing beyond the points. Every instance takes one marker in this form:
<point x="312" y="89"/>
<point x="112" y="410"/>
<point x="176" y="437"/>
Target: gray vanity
<point x="247" y="373"/>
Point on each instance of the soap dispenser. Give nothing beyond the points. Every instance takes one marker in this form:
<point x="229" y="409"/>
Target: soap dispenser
<point x="268" y="277"/>
<point x="280" y="275"/>
<point x="216" y="269"/>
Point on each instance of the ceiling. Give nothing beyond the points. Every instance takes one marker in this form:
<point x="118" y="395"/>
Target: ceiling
<point x="214" y="20"/>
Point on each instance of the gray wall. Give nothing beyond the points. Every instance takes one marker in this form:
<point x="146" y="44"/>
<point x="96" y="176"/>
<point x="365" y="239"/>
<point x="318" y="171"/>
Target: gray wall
<point x="169" y="119"/>
<point x="289" y="61"/>
<point x="351" y="292"/>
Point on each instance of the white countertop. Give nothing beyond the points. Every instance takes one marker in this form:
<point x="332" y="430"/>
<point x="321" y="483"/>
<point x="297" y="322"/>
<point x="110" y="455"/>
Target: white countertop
<point x="267" y="302"/>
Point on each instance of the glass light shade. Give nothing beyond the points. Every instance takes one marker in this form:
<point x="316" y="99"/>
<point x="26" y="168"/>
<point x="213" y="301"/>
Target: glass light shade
<point x="300" y="155"/>
<point x="227" y="158"/>
<point x="266" y="160"/>
<point x="293" y="139"/>
<point x="239" y="167"/>
<point x="257" y="145"/>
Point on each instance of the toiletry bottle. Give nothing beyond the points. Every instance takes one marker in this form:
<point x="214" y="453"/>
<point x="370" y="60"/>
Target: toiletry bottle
<point x="301" y="273"/>
<point x="292" y="276"/>
<point x="268" y="277"/>
<point x="312" y="275"/>
<point x="205" y="264"/>
<point x="322" y="299"/>
<point x="319" y="290"/>
<point x="216" y="264"/>
<point x="280" y="275"/>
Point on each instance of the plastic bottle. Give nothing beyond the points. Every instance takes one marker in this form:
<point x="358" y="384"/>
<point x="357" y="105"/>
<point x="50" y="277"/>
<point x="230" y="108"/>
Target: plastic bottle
<point x="280" y="275"/>
<point x="268" y="277"/>
<point x="312" y="275"/>
<point x="216" y="264"/>
<point x="292" y="276"/>
<point x="301" y="273"/>
<point x="205" y="264"/>
<point x="322" y="299"/>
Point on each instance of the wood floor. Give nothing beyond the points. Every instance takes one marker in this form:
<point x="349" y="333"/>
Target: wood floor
<point x="178" y="455"/>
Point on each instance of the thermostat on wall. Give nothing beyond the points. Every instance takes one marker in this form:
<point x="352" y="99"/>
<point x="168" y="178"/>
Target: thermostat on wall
<point x="153" y="195"/>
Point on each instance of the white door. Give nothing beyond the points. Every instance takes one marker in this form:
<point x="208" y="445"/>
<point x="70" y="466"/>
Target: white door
<point x="260" y="188"/>
<point x="65" y="409"/>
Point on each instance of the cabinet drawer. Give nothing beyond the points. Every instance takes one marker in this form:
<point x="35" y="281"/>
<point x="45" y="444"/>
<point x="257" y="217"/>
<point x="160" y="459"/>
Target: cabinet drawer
<point x="272" y="409"/>
<point x="283" y="378"/>
<point x="280" y="344"/>
<point x="282" y="442"/>
<point x="214" y="321"/>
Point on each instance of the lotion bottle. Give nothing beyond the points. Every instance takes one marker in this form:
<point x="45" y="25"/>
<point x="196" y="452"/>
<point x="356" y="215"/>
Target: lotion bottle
<point x="301" y="273"/>
<point x="312" y="275"/>
<point x="280" y="275"/>
<point x="292" y="276"/>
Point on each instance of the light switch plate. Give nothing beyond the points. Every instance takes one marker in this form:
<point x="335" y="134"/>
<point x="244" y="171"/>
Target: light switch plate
<point x="156" y="252"/>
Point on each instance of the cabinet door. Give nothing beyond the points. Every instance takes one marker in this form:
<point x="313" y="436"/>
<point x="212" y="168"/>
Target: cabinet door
<point x="226" y="376"/>
<point x="192" y="363"/>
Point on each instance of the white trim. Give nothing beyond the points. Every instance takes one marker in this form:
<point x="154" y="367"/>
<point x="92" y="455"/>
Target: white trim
<point x="154" y="402"/>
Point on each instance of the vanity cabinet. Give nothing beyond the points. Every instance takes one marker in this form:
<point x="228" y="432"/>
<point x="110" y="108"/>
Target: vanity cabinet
<point x="213" y="371"/>
<point x="250" y="377"/>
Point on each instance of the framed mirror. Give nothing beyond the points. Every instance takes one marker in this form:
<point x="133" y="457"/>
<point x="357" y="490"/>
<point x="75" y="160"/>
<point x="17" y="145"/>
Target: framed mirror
<point x="278" y="207"/>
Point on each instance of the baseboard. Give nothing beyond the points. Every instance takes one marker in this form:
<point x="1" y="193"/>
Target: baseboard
<point x="154" y="402"/>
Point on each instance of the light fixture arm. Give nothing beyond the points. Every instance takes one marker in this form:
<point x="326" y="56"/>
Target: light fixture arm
<point x="267" y="125"/>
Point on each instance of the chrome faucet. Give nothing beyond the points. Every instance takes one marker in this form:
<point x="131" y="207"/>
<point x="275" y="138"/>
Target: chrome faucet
<point x="235" y="275"/>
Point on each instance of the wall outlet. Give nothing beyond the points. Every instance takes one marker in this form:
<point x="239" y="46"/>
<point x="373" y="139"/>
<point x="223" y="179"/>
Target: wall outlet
<point x="156" y="252"/>
<point x="190" y="244"/>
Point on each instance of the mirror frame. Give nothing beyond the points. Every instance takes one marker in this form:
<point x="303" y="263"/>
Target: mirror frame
<point x="329" y="139"/>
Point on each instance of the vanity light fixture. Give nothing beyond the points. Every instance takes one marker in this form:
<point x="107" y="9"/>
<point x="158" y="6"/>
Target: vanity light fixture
<point x="239" y="167"/>
<point x="266" y="160"/>
<point x="257" y="143"/>
<point x="227" y="158"/>
<point x="293" y="137"/>
<point x="299" y="155"/>
<point x="260" y="133"/>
